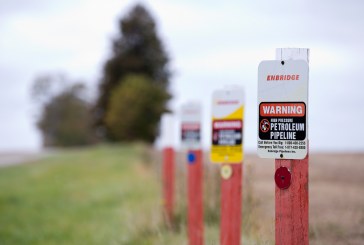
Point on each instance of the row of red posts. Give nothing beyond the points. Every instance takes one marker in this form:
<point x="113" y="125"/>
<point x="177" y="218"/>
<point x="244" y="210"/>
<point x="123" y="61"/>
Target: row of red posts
<point x="231" y="199"/>
<point x="291" y="226"/>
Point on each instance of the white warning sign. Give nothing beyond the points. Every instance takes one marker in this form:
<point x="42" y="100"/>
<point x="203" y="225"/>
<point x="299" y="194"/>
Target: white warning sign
<point x="191" y="125"/>
<point x="227" y="126"/>
<point x="282" y="109"/>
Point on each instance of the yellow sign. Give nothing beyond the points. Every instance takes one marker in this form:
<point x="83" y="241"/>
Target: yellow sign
<point x="227" y="126"/>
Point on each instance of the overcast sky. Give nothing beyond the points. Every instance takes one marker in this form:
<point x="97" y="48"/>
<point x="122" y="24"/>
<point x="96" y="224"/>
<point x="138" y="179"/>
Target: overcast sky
<point x="211" y="44"/>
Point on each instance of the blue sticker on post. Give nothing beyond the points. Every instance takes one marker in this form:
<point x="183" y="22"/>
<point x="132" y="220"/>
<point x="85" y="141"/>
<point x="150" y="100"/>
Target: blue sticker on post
<point x="191" y="157"/>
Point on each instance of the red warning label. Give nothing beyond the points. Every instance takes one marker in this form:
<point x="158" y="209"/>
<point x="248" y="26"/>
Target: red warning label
<point x="282" y="109"/>
<point x="227" y="132"/>
<point x="227" y="124"/>
<point x="190" y="132"/>
<point x="282" y="121"/>
<point x="190" y="126"/>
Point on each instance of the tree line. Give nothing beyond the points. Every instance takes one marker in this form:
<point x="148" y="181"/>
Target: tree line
<point x="132" y="93"/>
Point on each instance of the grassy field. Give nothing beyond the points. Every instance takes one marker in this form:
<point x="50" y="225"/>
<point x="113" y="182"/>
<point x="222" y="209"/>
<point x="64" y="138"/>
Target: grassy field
<point x="102" y="195"/>
<point x="112" y="195"/>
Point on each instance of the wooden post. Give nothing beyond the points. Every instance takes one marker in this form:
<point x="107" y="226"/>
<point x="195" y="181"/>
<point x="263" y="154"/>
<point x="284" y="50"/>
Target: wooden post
<point x="168" y="165"/>
<point x="227" y="149"/>
<point x="195" y="201"/>
<point x="292" y="203"/>
<point x="168" y="184"/>
<point x="231" y="204"/>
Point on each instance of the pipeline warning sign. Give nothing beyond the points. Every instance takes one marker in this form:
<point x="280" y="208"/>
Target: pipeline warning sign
<point x="190" y="132"/>
<point x="227" y="132"/>
<point x="227" y="126"/>
<point x="191" y="125"/>
<point x="282" y="109"/>
<point x="282" y="121"/>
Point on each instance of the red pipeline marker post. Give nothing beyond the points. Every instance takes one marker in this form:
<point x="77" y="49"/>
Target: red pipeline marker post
<point x="195" y="201"/>
<point x="168" y="184"/>
<point x="227" y="149"/>
<point x="168" y="166"/>
<point x="231" y="205"/>
<point x="191" y="139"/>
<point x="291" y="227"/>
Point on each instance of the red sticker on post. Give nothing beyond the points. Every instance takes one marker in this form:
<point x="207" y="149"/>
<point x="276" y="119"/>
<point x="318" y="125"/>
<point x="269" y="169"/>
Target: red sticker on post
<point x="282" y="178"/>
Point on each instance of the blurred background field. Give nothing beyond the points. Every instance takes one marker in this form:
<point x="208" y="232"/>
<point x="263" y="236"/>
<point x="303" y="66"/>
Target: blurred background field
<point x="111" y="194"/>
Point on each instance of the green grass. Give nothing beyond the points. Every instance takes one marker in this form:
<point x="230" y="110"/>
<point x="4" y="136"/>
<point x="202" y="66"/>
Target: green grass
<point x="108" y="194"/>
<point x="99" y="195"/>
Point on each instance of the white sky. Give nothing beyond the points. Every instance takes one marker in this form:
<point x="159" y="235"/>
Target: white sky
<point x="211" y="44"/>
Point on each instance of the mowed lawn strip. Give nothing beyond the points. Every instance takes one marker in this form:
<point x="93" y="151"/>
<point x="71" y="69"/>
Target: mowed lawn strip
<point x="98" y="195"/>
